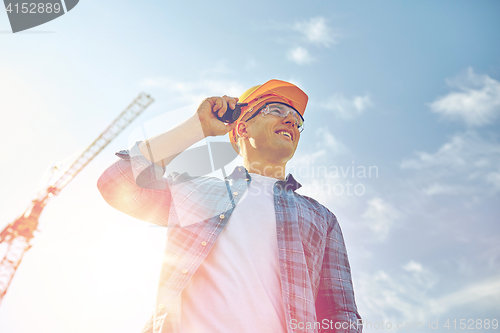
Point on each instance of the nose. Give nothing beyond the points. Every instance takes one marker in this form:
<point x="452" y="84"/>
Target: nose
<point x="290" y="119"/>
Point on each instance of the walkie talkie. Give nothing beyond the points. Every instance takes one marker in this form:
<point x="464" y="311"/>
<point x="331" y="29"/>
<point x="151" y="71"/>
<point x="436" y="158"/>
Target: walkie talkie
<point x="231" y="115"/>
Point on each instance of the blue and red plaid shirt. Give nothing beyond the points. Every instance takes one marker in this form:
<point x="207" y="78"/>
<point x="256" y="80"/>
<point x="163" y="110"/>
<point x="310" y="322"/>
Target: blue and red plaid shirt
<point x="314" y="269"/>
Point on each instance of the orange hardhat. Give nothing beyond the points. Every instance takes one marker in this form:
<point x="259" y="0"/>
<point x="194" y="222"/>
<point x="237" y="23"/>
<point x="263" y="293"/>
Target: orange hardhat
<point x="271" y="91"/>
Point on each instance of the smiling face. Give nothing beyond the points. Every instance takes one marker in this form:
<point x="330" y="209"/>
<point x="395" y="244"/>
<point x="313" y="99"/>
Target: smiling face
<point x="269" y="139"/>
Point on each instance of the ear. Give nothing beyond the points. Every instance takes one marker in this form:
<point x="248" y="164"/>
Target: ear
<point x="241" y="130"/>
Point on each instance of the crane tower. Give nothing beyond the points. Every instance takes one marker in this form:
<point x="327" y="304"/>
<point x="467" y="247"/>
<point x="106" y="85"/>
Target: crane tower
<point x="16" y="238"/>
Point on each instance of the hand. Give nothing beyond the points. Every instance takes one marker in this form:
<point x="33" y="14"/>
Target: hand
<point x="207" y="115"/>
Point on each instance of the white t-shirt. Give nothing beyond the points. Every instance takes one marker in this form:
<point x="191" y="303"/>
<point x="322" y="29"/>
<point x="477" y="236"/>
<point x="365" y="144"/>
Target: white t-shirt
<point x="237" y="288"/>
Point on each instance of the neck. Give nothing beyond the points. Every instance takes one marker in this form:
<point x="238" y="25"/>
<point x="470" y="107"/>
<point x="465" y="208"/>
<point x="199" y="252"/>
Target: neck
<point x="266" y="169"/>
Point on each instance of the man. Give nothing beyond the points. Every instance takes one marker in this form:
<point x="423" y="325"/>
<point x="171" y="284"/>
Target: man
<point x="247" y="253"/>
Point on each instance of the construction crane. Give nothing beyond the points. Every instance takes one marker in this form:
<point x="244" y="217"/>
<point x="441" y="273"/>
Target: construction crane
<point x="17" y="237"/>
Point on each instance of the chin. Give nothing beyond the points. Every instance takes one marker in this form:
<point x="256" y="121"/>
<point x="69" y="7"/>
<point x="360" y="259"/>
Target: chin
<point x="284" y="154"/>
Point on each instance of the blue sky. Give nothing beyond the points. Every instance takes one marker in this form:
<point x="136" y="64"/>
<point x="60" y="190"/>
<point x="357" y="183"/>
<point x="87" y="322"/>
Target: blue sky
<point x="409" y="88"/>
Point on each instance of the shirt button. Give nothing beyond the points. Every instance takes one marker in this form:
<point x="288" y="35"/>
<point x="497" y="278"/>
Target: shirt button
<point x="184" y="271"/>
<point x="235" y="193"/>
<point x="222" y="216"/>
<point x="160" y="307"/>
<point x="203" y="243"/>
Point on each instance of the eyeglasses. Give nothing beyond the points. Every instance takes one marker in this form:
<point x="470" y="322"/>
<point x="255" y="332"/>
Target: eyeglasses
<point x="281" y="110"/>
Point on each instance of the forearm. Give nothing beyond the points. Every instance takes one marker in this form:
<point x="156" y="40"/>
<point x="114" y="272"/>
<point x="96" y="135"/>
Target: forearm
<point x="135" y="184"/>
<point x="163" y="148"/>
<point x="144" y="195"/>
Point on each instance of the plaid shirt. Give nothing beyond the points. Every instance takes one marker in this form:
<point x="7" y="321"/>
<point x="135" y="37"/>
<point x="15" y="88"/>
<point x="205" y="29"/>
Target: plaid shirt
<point x="314" y="269"/>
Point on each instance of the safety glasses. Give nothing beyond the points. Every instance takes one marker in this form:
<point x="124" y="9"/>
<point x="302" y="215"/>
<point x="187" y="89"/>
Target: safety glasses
<point x="280" y="110"/>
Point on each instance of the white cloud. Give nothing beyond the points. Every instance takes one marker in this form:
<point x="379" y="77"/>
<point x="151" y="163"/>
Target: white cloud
<point x="393" y="298"/>
<point x="421" y="275"/>
<point x="465" y="165"/>
<point x="300" y="56"/>
<point x="465" y="151"/>
<point x="410" y="296"/>
<point x="494" y="178"/>
<point x="327" y="140"/>
<point x="345" y="108"/>
<point x="380" y="216"/>
<point x="477" y="101"/>
<point x="316" y="31"/>
<point x="469" y="294"/>
<point x="413" y="266"/>
<point x="438" y="188"/>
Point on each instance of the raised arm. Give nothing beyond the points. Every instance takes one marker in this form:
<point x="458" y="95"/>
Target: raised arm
<point x="163" y="148"/>
<point x="135" y="186"/>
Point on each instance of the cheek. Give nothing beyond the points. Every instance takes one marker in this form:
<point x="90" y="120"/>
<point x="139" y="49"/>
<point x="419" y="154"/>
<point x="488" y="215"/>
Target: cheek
<point x="297" y="137"/>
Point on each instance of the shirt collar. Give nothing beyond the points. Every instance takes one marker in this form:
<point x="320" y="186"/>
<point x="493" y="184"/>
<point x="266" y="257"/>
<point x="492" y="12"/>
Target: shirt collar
<point x="288" y="184"/>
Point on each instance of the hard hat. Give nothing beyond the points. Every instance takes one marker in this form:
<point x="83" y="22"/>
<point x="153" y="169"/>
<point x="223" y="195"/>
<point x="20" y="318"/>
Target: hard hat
<point x="271" y="91"/>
